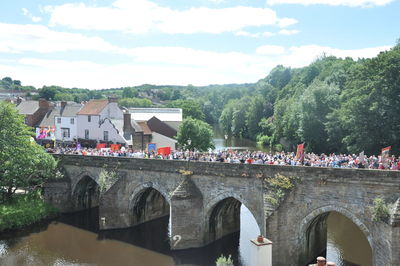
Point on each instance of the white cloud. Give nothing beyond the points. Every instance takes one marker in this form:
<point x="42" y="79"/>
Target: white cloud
<point x="351" y="3"/>
<point x="142" y="16"/>
<point x="16" y="38"/>
<point x="26" y="12"/>
<point x="265" y="34"/>
<point x="288" y="32"/>
<point x="270" y="50"/>
<point x="171" y="65"/>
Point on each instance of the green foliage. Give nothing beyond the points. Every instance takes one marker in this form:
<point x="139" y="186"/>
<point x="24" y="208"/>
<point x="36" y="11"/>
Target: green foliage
<point x="8" y="83"/>
<point x="190" y="108"/>
<point x="198" y="132"/>
<point x="23" y="210"/>
<point x="24" y="164"/>
<point x="107" y="178"/>
<point x="135" y="102"/>
<point x="130" y="92"/>
<point x="224" y="261"/>
<point x="380" y="210"/>
<point x="278" y="186"/>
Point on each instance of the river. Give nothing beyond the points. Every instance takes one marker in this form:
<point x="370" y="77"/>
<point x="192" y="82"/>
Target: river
<point x="74" y="240"/>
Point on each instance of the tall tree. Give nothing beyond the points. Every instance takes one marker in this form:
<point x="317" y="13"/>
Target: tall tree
<point x="23" y="163"/>
<point x="195" y="134"/>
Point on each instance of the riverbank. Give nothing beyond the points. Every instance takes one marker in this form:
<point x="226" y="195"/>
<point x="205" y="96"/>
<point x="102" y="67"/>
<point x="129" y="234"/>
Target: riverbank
<point x="24" y="210"/>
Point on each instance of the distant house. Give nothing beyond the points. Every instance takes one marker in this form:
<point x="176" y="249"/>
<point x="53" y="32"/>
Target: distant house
<point x="62" y="117"/>
<point x="33" y="111"/>
<point x="170" y="116"/>
<point x="103" y="121"/>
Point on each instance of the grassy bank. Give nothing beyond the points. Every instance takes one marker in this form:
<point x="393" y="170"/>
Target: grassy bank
<point x="24" y="210"/>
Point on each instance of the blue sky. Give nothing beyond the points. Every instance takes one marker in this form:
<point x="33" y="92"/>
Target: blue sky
<point x="114" y="43"/>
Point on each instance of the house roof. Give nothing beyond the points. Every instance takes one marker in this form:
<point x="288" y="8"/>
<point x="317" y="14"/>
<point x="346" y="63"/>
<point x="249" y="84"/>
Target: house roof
<point x="119" y="125"/>
<point x="161" y="127"/>
<point x="136" y="126"/>
<point x="93" y="107"/>
<point x="163" y="114"/>
<point x="28" y="107"/>
<point x="70" y="109"/>
<point x="145" y="128"/>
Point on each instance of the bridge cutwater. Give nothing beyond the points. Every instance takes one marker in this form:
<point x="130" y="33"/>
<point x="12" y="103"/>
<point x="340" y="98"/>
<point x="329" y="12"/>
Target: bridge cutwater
<point x="203" y="200"/>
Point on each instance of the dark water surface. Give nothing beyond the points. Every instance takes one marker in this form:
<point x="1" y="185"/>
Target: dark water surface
<point x="74" y="239"/>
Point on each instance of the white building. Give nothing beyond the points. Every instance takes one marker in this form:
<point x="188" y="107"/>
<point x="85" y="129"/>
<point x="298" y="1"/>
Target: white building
<point x="103" y="121"/>
<point x="170" y="116"/>
<point x="61" y="117"/>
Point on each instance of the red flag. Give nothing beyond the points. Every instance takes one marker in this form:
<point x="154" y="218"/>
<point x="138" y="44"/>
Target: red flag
<point x="300" y="152"/>
<point x="385" y="154"/>
<point x="164" y="151"/>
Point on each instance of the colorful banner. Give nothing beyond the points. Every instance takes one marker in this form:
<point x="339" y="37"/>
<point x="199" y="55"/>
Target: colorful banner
<point x="300" y="152"/>
<point x="115" y="147"/>
<point x="385" y="154"/>
<point x="164" y="151"/>
<point x="100" y="146"/>
<point x="151" y="147"/>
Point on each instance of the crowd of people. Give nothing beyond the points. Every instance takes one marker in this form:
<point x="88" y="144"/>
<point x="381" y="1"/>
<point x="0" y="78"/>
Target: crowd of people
<point x="249" y="157"/>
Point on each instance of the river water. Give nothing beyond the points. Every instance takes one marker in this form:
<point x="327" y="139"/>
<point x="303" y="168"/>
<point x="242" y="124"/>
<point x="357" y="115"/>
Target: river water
<point x="74" y="240"/>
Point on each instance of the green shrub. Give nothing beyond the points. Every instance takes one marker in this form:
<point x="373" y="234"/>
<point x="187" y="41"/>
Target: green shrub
<point x="278" y="186"/>
<point x="224" y="261"/>
<point x="380" y="210"/>
<point x="24" y="210"/>
<point x="263" y="140"/>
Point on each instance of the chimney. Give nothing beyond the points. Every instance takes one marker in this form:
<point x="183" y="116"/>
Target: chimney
<point x="63" y="104"/>
<point x="43" y="103"/>
<point x="112" y="99"/>
<point x="127" y="122"/>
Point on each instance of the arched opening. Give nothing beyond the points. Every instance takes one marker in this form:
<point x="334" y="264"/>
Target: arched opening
<point x="149" y="204"/>
<point x="233" y="221"/>
<point x="86" y="194"/>
<point x="338" y="238"/>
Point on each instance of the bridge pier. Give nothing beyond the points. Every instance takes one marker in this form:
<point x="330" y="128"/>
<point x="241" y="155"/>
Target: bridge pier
<point x="187" y="216"/>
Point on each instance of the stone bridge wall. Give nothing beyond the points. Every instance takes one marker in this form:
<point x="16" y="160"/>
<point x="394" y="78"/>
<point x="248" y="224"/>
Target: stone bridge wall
<point x="192" y="198"/>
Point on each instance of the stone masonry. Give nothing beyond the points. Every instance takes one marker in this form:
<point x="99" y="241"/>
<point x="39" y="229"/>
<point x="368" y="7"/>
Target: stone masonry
<point x="203" y="199"/>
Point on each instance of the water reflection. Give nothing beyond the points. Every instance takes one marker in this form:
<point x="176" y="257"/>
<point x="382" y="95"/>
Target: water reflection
<point x="75" y="239"/>
<point x="346" y="243"/>
<point x="221" y="143"/>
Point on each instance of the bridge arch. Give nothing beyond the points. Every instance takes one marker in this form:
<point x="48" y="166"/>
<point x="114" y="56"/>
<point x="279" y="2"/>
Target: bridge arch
<point x="148" y="201"/>
<point x="85" y="192"/>
<point x="221" y="203"/>
<point x="320" y="214"/>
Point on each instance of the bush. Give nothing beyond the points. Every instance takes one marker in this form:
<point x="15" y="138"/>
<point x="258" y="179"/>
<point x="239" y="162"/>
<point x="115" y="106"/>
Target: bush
<point x="24" y="210"/>
<point x="380" y="210"/>
<point x="263" y="140"/>
<point x="224" y="261"/>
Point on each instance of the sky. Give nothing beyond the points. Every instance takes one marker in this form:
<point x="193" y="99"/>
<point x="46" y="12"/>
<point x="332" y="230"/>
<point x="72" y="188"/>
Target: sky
<point x="98" y="44"/>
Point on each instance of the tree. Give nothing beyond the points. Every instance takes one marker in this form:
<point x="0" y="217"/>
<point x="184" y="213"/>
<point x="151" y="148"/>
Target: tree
<point x="198" y="132"/>
<point x="23" y="163"/>
<point x="130" y="92"/>
<point x="48" y="93"/>
<point x="189" y="108"/>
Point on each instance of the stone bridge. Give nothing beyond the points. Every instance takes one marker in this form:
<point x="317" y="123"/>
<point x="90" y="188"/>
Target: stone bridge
<point x="203" y="200"/>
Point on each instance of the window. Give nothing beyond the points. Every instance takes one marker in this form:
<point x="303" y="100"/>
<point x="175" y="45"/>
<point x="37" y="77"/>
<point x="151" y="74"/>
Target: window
<point x="72" y="121"/>
<point x="86" y="133"/>
<point x="105" y="135"/>
<point x="89" y="118"/>
<point x="58" y="120"/>
<point x="65" y="132"/>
